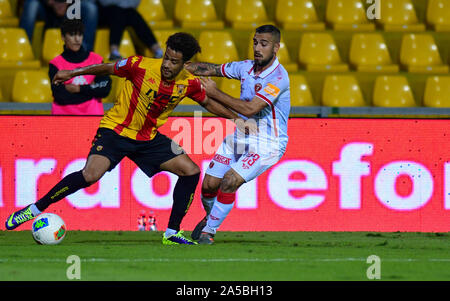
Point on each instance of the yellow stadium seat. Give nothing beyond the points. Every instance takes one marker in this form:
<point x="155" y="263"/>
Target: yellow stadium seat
<point x="15" y="49"/>
<point x="438" y="14"/>
<point x="152" y="11"/>
<point x="369" y="53"/>
<point x="419" y="54"/>
<point x="1" y="96"/>
<point x="300" y="92"/>
<point x="197" y="14"/>
<point x="342" y="91"/>
<point x="399" y="15"/>
<point x="31" y="86"/>
<point x="283" y="56"/>
<point x="217" y="47"/>
<point x="297" y="15"/>
<point x="319" y="52"/>
<point x="101" y="45"/>
<point x="245" y="14"/>
<point x="7" y="18"/>
<point x="231" y="86"/>
<point x="437" y="92"/>
<point x="53" y="45"/>
<point x="348" y="15"/>
<point x="392" y="91"/>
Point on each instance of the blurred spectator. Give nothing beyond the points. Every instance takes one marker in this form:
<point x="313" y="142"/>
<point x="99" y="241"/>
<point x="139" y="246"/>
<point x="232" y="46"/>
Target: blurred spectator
<point x="53" y="12"/>
<point x="82" y="95"/>
<point x="117" y="15"/>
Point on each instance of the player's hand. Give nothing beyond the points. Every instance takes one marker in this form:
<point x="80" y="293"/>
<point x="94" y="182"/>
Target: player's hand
<point x="209" y="85"/>
<point x="62" y="76"/>
<point x="71" y="88"/>
<point x="249" y="126"/>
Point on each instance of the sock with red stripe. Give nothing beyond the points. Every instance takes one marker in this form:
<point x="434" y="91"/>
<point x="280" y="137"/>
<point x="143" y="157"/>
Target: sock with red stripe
<point x="208" y="200"/>
<point x="220" y="210"/>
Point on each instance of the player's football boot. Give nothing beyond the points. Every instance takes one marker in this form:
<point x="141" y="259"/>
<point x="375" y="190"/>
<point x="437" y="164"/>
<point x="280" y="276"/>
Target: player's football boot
<point x="177" y="239"/>
<point x="195" y="235"/>
<point x="206" y="239"/>
<point x="19" y="217"/>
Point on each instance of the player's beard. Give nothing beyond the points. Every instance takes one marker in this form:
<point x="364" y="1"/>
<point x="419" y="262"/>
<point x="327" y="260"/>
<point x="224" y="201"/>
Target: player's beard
<point x="264" y="63"/>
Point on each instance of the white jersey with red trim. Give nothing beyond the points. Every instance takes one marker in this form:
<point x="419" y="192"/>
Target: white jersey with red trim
<point x="271" y="86"/>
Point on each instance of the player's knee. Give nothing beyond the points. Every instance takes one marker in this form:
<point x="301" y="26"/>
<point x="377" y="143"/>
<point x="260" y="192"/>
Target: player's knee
<point x="229" y="183"/>
<point x="209" y="187"/>
<point x="91" y="176"/>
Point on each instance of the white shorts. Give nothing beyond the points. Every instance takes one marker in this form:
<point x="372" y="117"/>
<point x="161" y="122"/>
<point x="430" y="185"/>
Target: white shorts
<point x="244" y="158"/>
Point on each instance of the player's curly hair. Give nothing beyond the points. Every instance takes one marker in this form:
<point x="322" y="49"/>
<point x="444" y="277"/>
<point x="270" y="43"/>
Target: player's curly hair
<point x="185" y="43"/>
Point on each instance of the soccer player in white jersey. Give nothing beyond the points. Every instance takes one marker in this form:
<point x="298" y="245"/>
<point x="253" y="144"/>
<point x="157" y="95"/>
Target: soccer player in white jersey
<point x="264" y="99"/>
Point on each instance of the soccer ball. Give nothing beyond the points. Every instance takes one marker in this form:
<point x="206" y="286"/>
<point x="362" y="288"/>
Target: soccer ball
<point x="48" y="229"/>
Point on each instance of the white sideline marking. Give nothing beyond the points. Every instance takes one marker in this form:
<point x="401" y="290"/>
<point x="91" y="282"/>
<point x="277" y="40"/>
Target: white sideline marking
<point x="130" y="260"/>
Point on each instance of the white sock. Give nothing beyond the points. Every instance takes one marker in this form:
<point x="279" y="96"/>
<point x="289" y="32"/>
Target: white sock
<point x="208" y="203"/>
<point x="218" y="214"/>
<point x="170" y="232"/>
<point x="35" y="210"/>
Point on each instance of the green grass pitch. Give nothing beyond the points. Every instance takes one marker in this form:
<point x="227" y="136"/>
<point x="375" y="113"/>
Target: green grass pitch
<point x="236" y="256"/>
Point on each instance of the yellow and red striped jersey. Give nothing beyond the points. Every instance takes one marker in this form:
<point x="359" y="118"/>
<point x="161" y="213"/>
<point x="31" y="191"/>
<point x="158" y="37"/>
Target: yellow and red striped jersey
<point x="146" y="100"/>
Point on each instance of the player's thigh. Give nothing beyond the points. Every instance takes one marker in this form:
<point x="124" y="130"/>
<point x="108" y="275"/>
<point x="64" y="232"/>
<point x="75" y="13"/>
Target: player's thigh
<point x="250" y="165"/>
<point x="96" y="166"/>
<point x="221" y="162"/>
<point x="181" y="165"/>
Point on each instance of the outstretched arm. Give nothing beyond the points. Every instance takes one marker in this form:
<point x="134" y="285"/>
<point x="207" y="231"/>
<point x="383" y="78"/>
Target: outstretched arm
<point x="218" y="109"/>
<point x="204" y="69"/>
<point x="246" y="108"/>
<point x="99" y="69"/>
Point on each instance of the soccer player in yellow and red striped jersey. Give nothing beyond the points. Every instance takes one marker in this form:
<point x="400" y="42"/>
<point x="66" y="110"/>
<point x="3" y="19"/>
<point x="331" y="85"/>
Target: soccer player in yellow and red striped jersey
<point x="152" y="89"/>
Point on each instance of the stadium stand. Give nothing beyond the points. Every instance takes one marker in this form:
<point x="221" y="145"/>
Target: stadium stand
<point x="438" y="15"/>
<point x="393" y="91"/>
<point x="154" y="14"/>
<point x="342" y="91"/>
<point x="52" y="46"/>
<point x="369" y="53"/>
<point x="437" y="92"/>
<point x="217" y="47"/>
<point x="7" y="18"/>
<point x="300" y="92"/>
<point x="197" y="14"/>
<point x="420" y="54"/>
<point x="400" y="60"/>
<point x="32" y="86"/>
<point x="399" y="15"/>
<point x="319" y="52"/>
<point x="348" y="15"/>
<point x="297" y="15"/>
<point x="15" y="49"/>
<point x="245" y="14"/>
<point x="101" y="45"/>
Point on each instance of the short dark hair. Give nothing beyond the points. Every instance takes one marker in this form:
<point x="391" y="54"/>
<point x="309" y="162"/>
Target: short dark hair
<point x="185" y="43"/>
<point x="72" y="26"/>
<point x="270" y="29"/>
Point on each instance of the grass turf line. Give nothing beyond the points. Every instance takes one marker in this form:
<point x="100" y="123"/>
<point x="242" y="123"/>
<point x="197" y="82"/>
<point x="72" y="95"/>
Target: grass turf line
<point x="236" y="256"/>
